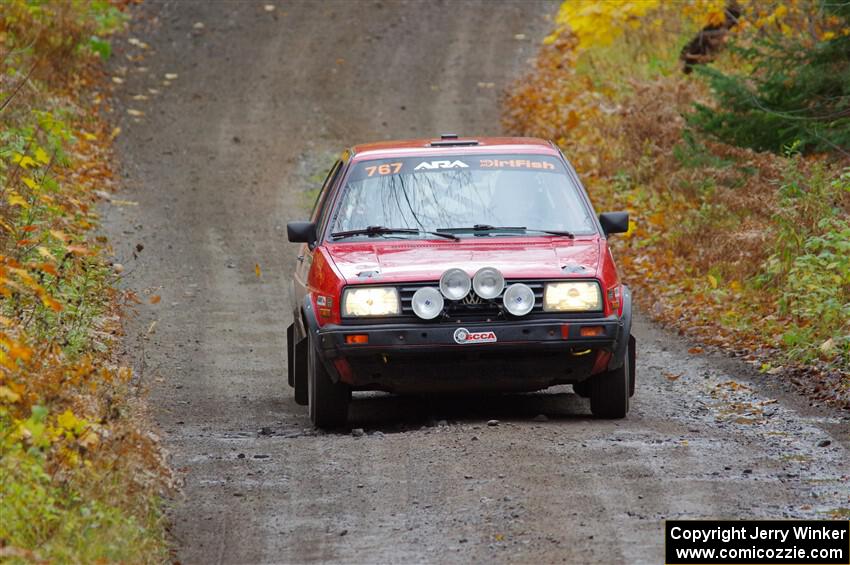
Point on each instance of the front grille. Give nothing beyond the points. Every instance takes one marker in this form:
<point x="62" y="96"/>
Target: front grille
<point x="472" y="306"/>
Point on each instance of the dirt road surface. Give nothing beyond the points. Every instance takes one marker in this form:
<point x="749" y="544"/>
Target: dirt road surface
<point x="225" y="155"/>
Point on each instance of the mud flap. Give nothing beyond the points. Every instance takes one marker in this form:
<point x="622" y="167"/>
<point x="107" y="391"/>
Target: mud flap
<point x="632" y="363"/>
<point x="290" y="353"/>
<point x="299" y="377"/>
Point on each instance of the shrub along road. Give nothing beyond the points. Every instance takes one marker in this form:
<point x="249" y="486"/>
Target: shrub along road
<point x="223" y="157"/>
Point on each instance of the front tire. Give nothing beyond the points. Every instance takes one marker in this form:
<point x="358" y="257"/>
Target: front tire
<point x="609" y="394"/>
<point x="328" y="400"/>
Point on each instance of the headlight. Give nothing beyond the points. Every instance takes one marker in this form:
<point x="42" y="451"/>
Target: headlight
<point x="370" y="301"/>
<point x="427" y="303"/>
<point x="580" y="296"/>
<point x="519" y="299"/>
<point x="455" y="284"/>
<point x="488" y="283"/>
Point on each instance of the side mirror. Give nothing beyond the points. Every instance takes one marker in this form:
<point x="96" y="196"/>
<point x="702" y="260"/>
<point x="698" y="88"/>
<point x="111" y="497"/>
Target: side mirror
<point x="301" y="232"/>
<point x="614" y="222"/>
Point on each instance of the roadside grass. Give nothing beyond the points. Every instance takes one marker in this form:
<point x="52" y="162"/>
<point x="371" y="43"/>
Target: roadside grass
<point x="744" y="250"/>
<point x="81" y="476"/>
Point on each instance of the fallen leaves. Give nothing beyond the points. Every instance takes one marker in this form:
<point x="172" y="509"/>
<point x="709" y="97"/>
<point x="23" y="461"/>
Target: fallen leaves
<point x="746" y="421"/>
<point x="120" y="202"/>
<point x="62" y="400"/>
<point x="51" y="303"/>
<point x="769" y="369"/>
<point x="69" y="421"/>
<point x="138" y="43"/>
<point x="15" y="199"/>
<point x="24" y="161"/>
<point x="41" y="155"/>
<point x="733" y="386"/>
<point x="7" y="395"/>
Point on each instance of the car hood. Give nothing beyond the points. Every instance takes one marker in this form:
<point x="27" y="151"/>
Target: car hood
<point x="407" y="261"/>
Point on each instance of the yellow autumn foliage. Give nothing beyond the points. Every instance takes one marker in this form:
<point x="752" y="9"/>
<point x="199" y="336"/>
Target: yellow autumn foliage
<point x="78" y="469"/>
<point x="599" y="24"/>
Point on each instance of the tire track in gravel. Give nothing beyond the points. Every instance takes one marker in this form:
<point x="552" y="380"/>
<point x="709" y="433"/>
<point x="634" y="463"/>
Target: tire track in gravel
<point x="221" y="162"/>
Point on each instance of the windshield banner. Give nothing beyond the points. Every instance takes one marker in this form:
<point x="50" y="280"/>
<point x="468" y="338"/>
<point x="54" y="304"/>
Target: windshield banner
<point x="446" y="163"/>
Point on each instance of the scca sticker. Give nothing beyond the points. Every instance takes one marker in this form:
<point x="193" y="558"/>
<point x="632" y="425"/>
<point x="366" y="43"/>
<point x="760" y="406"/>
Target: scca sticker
<point x="463" y="336"/>
<point x="441" y="165"/>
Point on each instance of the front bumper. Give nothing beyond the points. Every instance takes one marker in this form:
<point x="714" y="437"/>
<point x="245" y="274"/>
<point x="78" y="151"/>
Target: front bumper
<point x="562" y="334"/>
<point x="426" y="357"/>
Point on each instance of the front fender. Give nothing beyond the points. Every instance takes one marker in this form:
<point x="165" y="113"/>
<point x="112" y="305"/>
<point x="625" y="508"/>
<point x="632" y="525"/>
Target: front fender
<point x="304" y="319"/>
<point x="621" y="347"/>
<point x="310" y="324"/>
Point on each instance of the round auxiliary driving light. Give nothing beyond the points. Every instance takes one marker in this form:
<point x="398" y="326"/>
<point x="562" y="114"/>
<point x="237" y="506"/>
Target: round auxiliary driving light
<point x="455" y="284"/>
<point x="427" y="302"/>
<point x="488" y="283"/>
<point x="519" y="299"/>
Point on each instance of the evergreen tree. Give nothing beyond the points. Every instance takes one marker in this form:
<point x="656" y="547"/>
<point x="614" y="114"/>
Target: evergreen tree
<point x="795" y="95"/>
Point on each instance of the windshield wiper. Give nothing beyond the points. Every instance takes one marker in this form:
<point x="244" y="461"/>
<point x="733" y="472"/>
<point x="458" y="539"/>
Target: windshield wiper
<point x="383" y="230"/>
<point x="564" y="233"/>
<point x="487" y="229"/>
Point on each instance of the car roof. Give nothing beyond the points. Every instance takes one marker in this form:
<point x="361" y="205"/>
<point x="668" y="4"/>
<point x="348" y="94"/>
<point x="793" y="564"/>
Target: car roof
<point x="452" y="145"/>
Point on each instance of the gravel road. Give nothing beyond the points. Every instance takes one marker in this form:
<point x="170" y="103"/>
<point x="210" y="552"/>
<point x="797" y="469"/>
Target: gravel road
<point x="226" y="153"/>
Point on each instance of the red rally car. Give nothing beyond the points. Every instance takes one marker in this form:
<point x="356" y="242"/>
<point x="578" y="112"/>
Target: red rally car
<point x="454" y="264"/>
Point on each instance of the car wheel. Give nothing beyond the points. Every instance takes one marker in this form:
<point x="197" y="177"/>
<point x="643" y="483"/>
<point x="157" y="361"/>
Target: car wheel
<point x="328" y="400"/>
<point x="609" y="394"/>
<point x="582" y="389"/>
<point x="632" y="364"/>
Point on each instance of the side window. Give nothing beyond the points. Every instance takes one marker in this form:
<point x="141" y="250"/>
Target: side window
<point x="323" y="193"/>
<point x="324" y="212"/>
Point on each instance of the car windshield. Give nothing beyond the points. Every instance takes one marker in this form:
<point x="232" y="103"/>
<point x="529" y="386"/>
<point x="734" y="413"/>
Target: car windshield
<point x="469" y="195"/>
